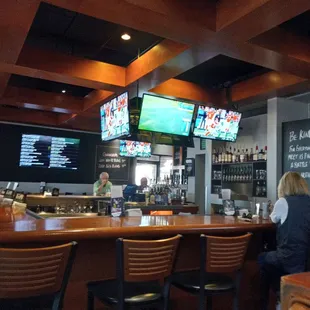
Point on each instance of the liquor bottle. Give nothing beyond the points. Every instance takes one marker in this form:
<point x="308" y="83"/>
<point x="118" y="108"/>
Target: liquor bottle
<point x="251" y="155"/>
<point x="264" y="189"/>
<point x="241" y="178"/>
<point x="230" y="156"/>
<point x="247" y="156"/>
<point x="152" y="197"/>
<point x="258" y="189"/>
<point x="242" y="156"/>
<point x="223" y="156"/>
<point x="238" y="156"/>
<point x="237" y="175"/>
<point x="261" y="155"/>
<point x="255" y="156"/>
<point x="233" y="159"/>
<point x="265" y="153"/>
<point x="220" y="156"/>
<point x="214" y="156"/>
<point x="250" y="173"/>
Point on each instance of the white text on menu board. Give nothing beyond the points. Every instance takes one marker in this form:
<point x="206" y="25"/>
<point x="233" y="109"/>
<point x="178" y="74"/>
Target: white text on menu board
<point x="299" y="155"/>
<point x="111" y="161"/>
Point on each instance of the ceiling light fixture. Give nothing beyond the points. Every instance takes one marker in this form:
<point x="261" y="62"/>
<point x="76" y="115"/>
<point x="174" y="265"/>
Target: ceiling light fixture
<point x="63" y="91"/>
<point x="126" y="36"/>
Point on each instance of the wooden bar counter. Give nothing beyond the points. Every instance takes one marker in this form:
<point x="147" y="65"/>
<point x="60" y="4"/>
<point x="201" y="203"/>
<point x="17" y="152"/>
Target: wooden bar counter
<point x="96" y="250"/>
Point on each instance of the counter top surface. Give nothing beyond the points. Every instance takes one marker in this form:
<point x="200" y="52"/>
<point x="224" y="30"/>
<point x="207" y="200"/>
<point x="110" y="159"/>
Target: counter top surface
<point x="66" y="197"/>
<point x="29" y="229"/>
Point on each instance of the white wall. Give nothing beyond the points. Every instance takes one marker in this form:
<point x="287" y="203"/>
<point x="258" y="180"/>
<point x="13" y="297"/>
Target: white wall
<point x="253" y="132"/>
<point x="191" y="153"/>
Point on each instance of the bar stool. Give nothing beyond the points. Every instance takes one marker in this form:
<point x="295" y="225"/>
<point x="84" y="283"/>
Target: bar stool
<point x="219" y="256"/>
<point x="31" y="278"/>
<point x="141" y="264"/>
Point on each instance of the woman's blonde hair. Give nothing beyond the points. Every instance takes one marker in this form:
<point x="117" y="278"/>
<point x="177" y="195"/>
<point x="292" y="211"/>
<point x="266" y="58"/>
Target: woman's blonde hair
<point x="292" y="184"/>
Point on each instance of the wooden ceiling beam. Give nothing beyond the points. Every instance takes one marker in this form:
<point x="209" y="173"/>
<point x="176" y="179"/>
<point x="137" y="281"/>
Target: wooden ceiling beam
<point x="71" y="66"/>
<point x="285" y="43"/>
<point x="15" y="21"/>
<point x="245" y="19"/>
<point x="55" y="77"/>
<point x="4" y="79"/>
<point x="187" y="90"/>
<point x="202" y="13"/>
<point x="257" y="88"/>
<point x="266" y="86"/>
<point x="40" y="100"/>
<point x="154" y="58"/>
<point x="187" y="60"/>
<point x="16" y="115"/>
<point x="83" y="123"/>
<point x="93" y="99"/>
<point x="266" y="58"/>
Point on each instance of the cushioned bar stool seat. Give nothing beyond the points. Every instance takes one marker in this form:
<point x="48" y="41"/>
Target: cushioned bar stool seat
<point x="35" y="278"/>
<point x="142" y="266"/>
<point x="139" y="293"/>
<point x="215" y="283"/>
<point x="220" y="257"/>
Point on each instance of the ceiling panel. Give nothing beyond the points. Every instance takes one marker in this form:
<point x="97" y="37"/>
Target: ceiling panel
<point x="221" y="70"/>
<point x="84" y="36"/>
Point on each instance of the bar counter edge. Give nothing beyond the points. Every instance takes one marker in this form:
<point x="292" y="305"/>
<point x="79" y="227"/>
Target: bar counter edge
<point x="68" y="229"/>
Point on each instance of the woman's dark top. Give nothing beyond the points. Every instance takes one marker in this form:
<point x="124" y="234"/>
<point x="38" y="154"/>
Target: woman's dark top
<point x="293" y="236"/>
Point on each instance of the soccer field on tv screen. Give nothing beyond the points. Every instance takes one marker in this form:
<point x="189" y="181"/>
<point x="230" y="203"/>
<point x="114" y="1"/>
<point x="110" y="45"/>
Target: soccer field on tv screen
<point x="166" y="116"/>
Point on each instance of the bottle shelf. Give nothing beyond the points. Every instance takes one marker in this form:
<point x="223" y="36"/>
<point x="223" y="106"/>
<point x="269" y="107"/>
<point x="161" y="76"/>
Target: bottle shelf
<point x="243" y="163"/>
<point x="238" y="182"/>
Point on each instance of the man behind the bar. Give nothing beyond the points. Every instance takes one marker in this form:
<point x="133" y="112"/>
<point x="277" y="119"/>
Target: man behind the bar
<point x="103" y="186"/>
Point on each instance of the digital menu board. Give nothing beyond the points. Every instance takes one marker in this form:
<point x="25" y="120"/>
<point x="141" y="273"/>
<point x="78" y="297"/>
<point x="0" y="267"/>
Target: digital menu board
<point x="49" y="152"/>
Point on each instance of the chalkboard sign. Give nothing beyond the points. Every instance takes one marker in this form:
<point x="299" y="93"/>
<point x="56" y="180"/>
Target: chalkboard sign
<point x="296" y="147"/>
<point x="108" y="160"/>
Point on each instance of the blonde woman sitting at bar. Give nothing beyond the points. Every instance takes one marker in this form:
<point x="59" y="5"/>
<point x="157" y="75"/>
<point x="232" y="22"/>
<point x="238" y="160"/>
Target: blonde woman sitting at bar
<point x="291" y="213"/>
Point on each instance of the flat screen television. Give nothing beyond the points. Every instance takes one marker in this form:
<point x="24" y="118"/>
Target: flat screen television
<point x="49" y="152"/>
<point x="135" y="149"/>
<point x="114" y="116"/>
<point x="164" y="115"/>
<point x="217" y="124"/>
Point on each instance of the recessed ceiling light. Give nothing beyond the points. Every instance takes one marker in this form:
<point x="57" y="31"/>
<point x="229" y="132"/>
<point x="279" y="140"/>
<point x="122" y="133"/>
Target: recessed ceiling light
<point x="63" y="91"/>
<point x="126" y="36"/>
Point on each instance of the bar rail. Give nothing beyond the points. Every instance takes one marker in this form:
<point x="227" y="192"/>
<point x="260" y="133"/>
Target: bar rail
<point x="30" y="229"/>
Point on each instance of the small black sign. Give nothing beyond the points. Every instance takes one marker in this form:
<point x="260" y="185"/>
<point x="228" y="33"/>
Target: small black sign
<point x="55" y="191"/>
<point x="9" y="193"/>
<point x="20" y="197"/>
<point x="108" y="160"/>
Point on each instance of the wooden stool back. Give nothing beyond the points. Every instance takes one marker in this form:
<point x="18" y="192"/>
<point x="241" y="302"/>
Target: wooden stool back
<point x="35" y="272"/>
<point x="224" y="254"/>
<point x="146" y="260"/>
